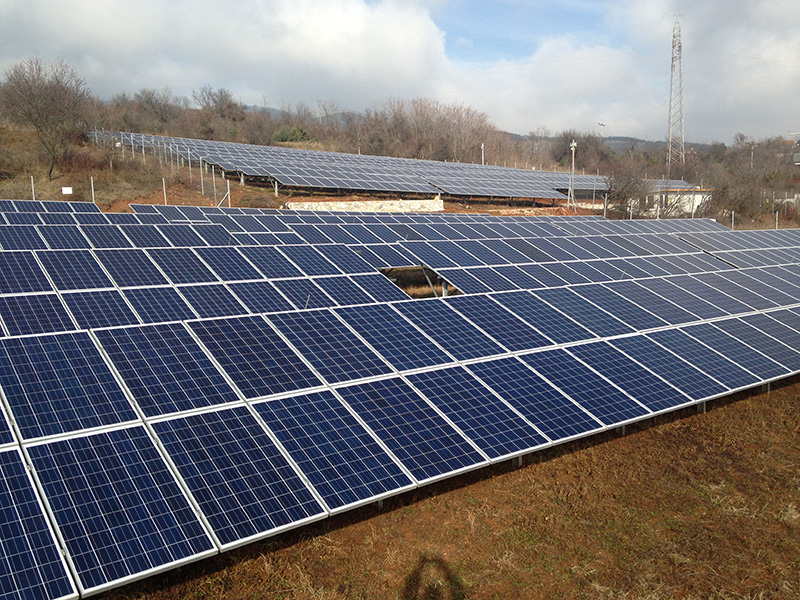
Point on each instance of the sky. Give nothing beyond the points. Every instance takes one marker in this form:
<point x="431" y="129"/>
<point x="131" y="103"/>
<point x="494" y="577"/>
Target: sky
<point x="530" y="65"/>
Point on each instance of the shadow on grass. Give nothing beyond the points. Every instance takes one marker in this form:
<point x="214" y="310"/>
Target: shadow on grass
<point x="433" y="579"/>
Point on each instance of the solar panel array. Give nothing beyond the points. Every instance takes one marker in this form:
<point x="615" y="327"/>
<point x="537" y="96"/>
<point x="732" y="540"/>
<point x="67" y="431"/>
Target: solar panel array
<point x="187" y="379"/>
<point x="314" y="169"/>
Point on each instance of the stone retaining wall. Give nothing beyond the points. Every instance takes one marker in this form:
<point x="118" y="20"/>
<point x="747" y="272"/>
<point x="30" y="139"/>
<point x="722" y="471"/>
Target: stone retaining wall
<point x="429" y="205"/>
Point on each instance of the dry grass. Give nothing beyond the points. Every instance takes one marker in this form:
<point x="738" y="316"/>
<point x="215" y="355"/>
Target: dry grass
<point x="693" y="506"/>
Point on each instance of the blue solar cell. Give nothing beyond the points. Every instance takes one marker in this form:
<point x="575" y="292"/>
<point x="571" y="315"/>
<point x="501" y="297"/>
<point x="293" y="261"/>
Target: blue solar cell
<point x="90" y="218"/>
<point x="694" y="304"/>
<point x="271" y="263"/>
<point x="181" y="236"/>
<point x="449" y="329"/>
<point x="105" y="308"/>
<point x="554" y="414"/>
<point x="214" y="235"/>
<point x="586" y="387"/>
<point x="304" y="293"/>
<point x="379" y="287"/>
<point x="587" y="314"/>
<point x="545" y="277"/>
<point x="341" y="460"/>
<point x="344" y="258"/>
<point x="786" y="339"/>
<point x="243" y="484"/>
<point x="145" y="236"/>
<point x="625" y="310"/>
<point x="421" y="439"/>
<point x="35" y="313"/>
<point x="59" y="383"/>
<point x="73" y="269"/>
<point x="768" y="291"/>
<point x="737" y="352"/>
<point x="310" y="261"/>
<point x="649" y="389"/>
<point x="687" y="378"/>
<point x="182" y="265"/>
<point x="32" y="566"/>
<point x="705" y="358"/>
<point x="159" y="304"/>
<point x="343" y="290"/>
<point x="637" y="293"/>
<point x="120" y="474"/>
<point x="501" y="324"/>
<point x="20" y="237"/>
<point x="733" y="289"/>
<point x="711" y="294"/>
<point x="464" y="281"/>
<point x="552" y="323"/>
<point x="260" y="296"/>
<point x="228" y="263"/>
<point x="338" y="355"/>
<point x="493" y="279"/>
<point x="428" y="255"/>
<point x="105" y="236"/>
<point x="25" y="218"/>
<point x="130" y="267"/>
<point x="164" y="368"/>
<point x="64" y="218"/>
<point x="20" y="273"/>
<point x="400" y="343"/>
<point x="256" y="359"/>
<point x="565" y="272"/>
<point x="64" y="237"/>
<point x="483" y="417"/>
<point x="212" y="300"/>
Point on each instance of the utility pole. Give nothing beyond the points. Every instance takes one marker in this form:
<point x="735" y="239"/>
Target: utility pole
<point x="571" y="194"/>
<point x="675" y="140"/>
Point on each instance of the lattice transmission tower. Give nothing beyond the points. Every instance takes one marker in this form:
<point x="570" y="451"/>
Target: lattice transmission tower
<point x="675" y="148"/>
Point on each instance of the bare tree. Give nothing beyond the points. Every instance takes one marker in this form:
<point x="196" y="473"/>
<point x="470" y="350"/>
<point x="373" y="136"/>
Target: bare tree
<point x="50" y="98"/>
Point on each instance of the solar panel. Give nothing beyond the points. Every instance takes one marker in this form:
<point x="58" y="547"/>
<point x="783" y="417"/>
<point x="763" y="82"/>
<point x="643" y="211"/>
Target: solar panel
<point x="105" y="236"/>
<point x="304" y="293"/>
<point x="228" y="264"/>
<point x="343" y="290"/>
<point x="394" y="338"/>
<point x="449" y="329"/>
<point x="679" y="373"/>
<point x="626" y="311"/>
<point x="117" y="473"/>
<point x="182" y="265"/>
<point x="20" y="273"/>
<point x="158" y="304"/>
<point x="424" y="442"/>
<point x="20" y="237"/>
<point x="584" y="312"/>
<point x="645" y="386"/>
<point x="164" y="368"/>
<point x="502" y="325"/>
<point x="34" y="313"/>
<point x="343" y="462"/>
<point x="309" y="260"/>
<point x="260" y="296"/>
<point x="105" y="308"/>
<point x="73" y="269"/>
<point x="496" y="428"/>
<point x="379" y="287"/>
<point x="244" y="486"/>
<point x="181" y="236"/>
<point x="601" y="398"/>
<point x="64" y="237"/>
<point x="271" y="263"/>
<point x="553" y="413"/>
<point x="255" y="358"/>
<point x="338" y="355"/>
<point x="212" y="300"/>
<point x="32" y="566"/>
<point x="130" y="268"/>
<point x="59" y="383"/>
<point x="704" y="357"/>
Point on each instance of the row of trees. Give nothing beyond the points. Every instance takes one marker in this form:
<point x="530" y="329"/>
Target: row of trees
<point x="54" y="100"/>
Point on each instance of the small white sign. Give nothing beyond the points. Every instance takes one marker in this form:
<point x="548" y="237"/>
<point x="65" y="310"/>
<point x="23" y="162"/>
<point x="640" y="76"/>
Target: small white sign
<point x="66" y="191"/>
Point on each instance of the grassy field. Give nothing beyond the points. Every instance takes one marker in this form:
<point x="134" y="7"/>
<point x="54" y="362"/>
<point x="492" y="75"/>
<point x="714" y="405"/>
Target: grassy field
<point x="686" y="506"/>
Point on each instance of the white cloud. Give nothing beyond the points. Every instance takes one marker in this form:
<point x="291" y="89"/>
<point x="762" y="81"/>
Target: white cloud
<point x="741" y="67"/>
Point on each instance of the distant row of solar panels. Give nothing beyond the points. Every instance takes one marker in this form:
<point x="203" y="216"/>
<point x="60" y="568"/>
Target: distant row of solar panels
<point x="340" y="171"/>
